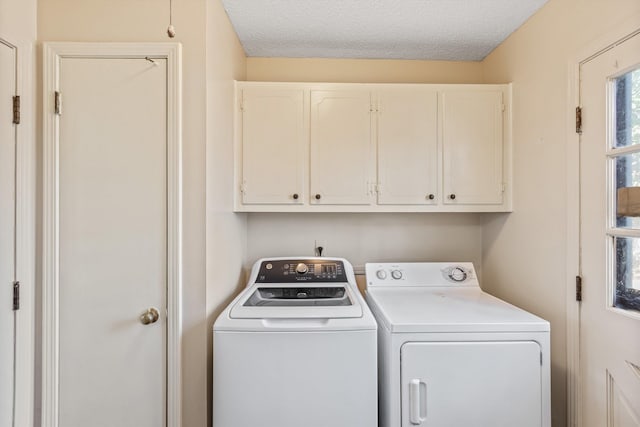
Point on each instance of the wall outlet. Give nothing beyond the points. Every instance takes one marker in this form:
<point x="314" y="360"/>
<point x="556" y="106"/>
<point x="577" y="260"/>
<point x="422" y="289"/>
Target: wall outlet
<point x="319" y="248"/>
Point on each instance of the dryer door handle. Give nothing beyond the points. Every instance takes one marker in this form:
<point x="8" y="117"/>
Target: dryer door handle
<point x="417" y="396"/>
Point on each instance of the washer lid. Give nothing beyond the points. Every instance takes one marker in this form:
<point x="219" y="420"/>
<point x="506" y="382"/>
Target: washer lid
<point x="449" y="310"/>
<point x="284" y="301"/>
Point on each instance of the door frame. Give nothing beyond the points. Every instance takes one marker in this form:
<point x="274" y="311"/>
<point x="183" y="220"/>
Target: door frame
<point x="52" y="54"/>
<point x="25" y="231"/>
<point x="609" y="40"/>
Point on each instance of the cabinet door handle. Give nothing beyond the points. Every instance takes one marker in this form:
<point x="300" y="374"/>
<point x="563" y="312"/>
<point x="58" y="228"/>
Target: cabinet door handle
<point x="318" y="196"/>
<point x="452" y="196"/>
<point x="295" y="196"/>
<point x="431" y="197"/>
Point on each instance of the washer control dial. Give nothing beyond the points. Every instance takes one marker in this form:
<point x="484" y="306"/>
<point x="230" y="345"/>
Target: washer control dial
<point x="381" y="274"/>
<point x="302" y="268"/>
<point x="396" y="274"/>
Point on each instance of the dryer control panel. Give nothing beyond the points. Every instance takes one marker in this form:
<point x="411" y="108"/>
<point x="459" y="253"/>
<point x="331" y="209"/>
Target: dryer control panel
<point x="301" y="270"/>
<point x="421" y="274"/>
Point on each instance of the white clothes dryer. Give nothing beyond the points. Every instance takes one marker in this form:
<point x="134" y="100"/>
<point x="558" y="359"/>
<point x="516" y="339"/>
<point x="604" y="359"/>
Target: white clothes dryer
<point x="451" y="355"/>
<point x="296" y="348"/>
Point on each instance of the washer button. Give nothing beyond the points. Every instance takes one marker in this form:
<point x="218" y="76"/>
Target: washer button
<point x="381" y="274"/>
<point x="396" y="274"/>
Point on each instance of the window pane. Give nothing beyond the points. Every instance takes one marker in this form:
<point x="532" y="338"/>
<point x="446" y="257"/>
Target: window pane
<point x="627" y="292"/>
<point x="628" y="109"/>
<point x="628" y="191"/>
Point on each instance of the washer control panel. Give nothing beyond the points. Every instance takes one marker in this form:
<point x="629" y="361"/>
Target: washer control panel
<point x="297" y="270"/>
<point x="421" y="274"/>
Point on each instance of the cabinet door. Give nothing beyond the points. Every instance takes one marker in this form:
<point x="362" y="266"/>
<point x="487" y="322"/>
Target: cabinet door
<point x="273" y="146"/>
<point x="495" y="383"/>
<point x="342" y="147"/>
<point x="472" y="138"/>
<point x="407" y="147"/>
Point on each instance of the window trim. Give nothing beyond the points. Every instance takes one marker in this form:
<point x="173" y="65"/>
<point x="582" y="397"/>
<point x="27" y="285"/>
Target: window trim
<point x="613" y="232"/>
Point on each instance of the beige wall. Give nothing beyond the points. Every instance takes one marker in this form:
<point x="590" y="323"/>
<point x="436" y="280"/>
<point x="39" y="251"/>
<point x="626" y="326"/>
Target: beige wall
<point x="211" y="59"/>
<point x="367" y="237"/>
<point x="362" y="71"/>
<point x="226" y="235"/>
<point x="524" y="255"/>
<point x="18" y="20"/>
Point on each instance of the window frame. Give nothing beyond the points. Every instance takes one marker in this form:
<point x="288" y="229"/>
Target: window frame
<point x="616" y="287"/>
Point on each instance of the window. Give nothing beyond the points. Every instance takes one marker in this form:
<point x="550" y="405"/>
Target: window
<point x="624" y="161"/>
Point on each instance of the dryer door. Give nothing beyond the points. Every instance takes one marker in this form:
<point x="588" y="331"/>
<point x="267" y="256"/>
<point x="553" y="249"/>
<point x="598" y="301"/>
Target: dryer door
<point x="496" y="383"/>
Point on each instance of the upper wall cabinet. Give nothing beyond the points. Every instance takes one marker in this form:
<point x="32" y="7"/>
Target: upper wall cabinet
<point x="472" y="146"/>
<point x="342" y="148"/>
<point x="272" y="128"/>
<point x="321" y="147"/>
<point x="407" y="146"/>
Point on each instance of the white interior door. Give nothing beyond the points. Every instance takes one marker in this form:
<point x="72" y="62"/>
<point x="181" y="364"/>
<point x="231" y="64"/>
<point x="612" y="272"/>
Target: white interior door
<point x="7" y="233"/>
<point x="112" y="242"/>
<point x="610" y="237"/>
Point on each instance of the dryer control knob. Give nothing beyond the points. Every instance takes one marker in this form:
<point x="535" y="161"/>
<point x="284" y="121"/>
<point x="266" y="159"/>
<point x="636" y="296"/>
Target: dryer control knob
<point x="302" y="268"/>
<point x="396" y="274"/>
<point x="381" y="274"/>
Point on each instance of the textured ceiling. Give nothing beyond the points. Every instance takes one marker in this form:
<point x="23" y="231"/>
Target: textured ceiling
<point x="456" y="30"/>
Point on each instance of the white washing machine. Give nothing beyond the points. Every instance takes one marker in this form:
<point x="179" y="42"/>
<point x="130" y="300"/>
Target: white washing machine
<point x="297" y="348"/>
<point x="452" y="355"/>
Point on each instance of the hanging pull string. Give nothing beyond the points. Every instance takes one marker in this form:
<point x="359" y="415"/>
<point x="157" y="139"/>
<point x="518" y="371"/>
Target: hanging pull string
<point x="171" y="31"/>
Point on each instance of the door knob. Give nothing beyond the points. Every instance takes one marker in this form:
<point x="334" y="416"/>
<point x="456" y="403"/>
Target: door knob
<point x="150" y="316"/>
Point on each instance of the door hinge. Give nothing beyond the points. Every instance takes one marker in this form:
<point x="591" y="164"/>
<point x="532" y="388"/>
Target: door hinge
<point x="16" y="296"/>
<point x="373" y="188"/>
<point x="578" y="120"/>
<point x="57" y="102"/>
<point x="16" y="110"/>
<point x="578" y="288"/>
